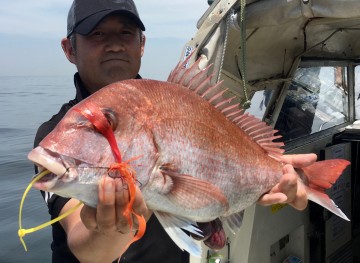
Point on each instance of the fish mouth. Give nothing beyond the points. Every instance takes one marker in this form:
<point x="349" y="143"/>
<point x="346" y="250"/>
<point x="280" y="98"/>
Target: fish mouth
<point x="46" y="182"/>
<point x="47" y="160"/>
<point x="56" y="163"/>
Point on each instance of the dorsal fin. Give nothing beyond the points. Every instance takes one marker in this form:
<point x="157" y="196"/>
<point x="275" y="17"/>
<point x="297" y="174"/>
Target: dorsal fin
<point x="198" y="80"/>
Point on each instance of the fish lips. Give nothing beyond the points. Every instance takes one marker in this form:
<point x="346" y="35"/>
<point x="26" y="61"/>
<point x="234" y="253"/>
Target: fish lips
<point x="47" y="161"/>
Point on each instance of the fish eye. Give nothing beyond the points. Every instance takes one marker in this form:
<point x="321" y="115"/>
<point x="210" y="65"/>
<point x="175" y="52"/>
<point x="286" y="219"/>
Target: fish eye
<point x="111" y="118"/>
<point x="84" y="123"/>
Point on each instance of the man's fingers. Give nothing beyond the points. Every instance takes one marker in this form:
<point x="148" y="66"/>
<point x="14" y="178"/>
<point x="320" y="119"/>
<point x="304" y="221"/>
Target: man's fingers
<point x="288" y="183"/>
<point x="106" y="191"/>
<point x="289" y="179"/>
<point x="106" y="214"/>
<point x="301" y="200"/>
<point x="122" y="202"/>
<point x="88" y="217"/>
<point x="300" y="160"/>
<point x="293" y="187"/>
<point x="299" y="203"/>
<point x="289" y="190"/>
<point x="122" y="199"/>
<point x="139" y="203"/>
<point x="109" y="215"/>
<point x="273" y="198"/>
<point x="288" y="169"/>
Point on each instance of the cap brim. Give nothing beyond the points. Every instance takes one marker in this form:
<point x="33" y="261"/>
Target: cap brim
<point x="88" y="24"/>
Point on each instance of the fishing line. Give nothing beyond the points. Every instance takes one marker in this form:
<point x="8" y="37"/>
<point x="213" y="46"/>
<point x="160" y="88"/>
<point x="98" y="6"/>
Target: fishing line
<point x="22" y="231"/>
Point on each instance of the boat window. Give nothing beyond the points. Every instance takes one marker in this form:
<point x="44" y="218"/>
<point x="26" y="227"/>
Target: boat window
<point x="316" y="100"/>
<point x="357" y="92"/>
<point x="259" y="102"/>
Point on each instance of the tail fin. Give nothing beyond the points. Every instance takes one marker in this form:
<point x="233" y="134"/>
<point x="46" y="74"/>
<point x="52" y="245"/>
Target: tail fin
<point x="321" y="176"/>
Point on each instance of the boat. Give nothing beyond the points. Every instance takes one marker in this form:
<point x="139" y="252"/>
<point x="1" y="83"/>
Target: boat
<point x="296" y="65"/>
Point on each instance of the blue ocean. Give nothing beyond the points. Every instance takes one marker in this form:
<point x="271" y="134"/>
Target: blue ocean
<point x="25" y="103"/>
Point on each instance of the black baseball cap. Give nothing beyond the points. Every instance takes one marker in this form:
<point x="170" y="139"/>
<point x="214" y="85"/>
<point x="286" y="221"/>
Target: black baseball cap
<point x="84" y="15"/>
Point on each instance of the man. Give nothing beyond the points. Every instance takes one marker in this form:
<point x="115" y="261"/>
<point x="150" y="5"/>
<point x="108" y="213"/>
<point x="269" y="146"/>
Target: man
<point x="105" y="41"/>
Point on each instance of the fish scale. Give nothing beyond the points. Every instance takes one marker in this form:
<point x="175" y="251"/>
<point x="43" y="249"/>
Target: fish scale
<point x="225" y="152"/>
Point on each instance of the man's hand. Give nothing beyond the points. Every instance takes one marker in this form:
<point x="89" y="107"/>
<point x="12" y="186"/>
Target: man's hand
<point x="109" y="217"/>
<point x="290" y="189"/>
<point x="101" y="234"/>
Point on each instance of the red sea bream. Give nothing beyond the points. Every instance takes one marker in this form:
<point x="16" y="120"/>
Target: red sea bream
<point x="197" y="157"/>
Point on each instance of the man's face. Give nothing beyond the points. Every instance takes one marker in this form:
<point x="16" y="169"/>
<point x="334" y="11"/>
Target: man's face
<point x="110" y="53"/>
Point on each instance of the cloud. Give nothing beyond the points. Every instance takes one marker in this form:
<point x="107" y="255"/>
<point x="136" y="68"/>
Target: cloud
<point x="47" y="18"/>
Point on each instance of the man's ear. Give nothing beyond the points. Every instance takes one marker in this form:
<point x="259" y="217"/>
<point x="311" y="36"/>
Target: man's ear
<point x="143" y="44"/>
<point x="68" y="50"/>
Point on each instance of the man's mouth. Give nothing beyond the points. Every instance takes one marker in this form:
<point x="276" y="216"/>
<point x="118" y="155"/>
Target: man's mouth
<point x="115" y="60"/>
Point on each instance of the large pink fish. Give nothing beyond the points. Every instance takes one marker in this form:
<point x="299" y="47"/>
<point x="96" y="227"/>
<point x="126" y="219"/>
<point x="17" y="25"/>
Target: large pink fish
<point x="197" y="157"/>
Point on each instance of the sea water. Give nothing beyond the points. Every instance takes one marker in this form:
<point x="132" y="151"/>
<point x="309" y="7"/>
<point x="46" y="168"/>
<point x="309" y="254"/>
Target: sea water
<point x="25" y="103"/>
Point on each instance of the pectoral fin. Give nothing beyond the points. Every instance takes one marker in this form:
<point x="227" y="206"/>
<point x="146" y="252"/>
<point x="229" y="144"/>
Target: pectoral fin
<point x="193" y="193"/>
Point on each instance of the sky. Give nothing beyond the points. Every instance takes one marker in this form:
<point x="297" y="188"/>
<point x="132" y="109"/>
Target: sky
<point x="31" y="31"/>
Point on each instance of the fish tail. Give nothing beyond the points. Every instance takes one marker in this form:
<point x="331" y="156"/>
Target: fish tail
<point x="321" y="176"/>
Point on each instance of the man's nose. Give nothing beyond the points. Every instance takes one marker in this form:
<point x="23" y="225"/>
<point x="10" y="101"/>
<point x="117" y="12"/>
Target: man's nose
<point x="115" y="43"/>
